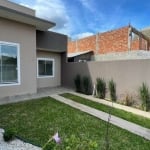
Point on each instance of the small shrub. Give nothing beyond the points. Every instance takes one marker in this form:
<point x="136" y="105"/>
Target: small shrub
<point x="86" y="85"/>
<point x="129" y="100"/>
<point x="112" y="90"/>
<point x="145" y="97"/>
<point x="77" y="82"/>
<point x="101" y="88"/>
<point x="9" y="135"/>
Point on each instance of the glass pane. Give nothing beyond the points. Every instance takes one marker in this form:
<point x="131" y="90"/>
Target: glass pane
<point x="45" y="67"/>
<point x="9" y="63"/>
<point x="49" y="68"/>
<point x="41" y="65"/>
<point x="0" y="68"/>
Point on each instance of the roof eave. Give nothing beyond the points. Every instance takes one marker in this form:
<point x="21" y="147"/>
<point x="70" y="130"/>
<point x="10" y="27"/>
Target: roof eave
<point x="50" y="50"/>
<point x="14" y="15"/>
<point x="71" y="55"/>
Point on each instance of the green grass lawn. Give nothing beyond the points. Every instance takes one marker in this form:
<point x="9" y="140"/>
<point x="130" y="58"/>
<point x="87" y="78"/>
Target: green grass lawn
<point x="145" y="122"/>
<point x="37" y="120"/>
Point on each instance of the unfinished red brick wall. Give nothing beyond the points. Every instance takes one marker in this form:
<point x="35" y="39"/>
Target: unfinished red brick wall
<point x="88" y="43"/>
<point x="85" y="44"/>
<point x="71" y="47"/>
<point x="135" y="44"/>
<point x="114" y="41"/>
<point x="143" y="44"/>
<point x="107" y="42"/>
<point x="139" y="45"/>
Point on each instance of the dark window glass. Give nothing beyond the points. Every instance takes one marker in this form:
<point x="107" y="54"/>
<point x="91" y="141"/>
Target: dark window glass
<point x="45" y="67"/>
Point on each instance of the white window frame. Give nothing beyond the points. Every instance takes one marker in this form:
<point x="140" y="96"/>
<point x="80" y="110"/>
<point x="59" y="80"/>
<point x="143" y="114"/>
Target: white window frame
<point x="46" y="76"/>
<point x="18" y="62"/>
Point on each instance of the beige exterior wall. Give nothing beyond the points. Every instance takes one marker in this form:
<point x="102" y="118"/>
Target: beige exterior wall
<point x="128" y="74"/>
<point x="50" y="81"/>
<point x="26" y="36"/>
<point x="16" y="7"/>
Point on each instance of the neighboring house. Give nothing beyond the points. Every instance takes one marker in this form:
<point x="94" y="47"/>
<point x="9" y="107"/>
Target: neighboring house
<point x="80" y="56"/>
<point x="30" y="55"/>
<point x="114" y="43"/>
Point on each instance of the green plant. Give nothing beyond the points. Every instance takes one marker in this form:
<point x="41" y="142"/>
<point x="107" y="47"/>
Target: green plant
<point x="77" y="143"/>
<point x="112" y="90"/>
<point x="128" y="100"/>
<point x="101" y="88"/>
<point x="145" y="97"/>
<point x="9" y="135"/>
<point x="49" y="146"/>
<point x="73" y="142"/>
<point x="86" y="85"/>
<point x="52" y="143"/>
<point x="77" y="82"/>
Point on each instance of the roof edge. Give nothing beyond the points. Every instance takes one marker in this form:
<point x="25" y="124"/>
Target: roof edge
<point x="17" y="13"/>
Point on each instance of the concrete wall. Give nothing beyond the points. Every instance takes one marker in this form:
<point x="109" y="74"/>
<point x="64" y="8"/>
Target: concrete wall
<point x="128" y="55"/>
<point x="17" y="7"/>
<point x="50" y="81"/>
<point x="26" y="36"/>
<point x="128" y="74"/>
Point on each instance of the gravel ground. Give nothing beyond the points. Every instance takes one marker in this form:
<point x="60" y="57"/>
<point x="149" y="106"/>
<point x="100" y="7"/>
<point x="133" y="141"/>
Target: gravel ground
<point x="16" y="144"/>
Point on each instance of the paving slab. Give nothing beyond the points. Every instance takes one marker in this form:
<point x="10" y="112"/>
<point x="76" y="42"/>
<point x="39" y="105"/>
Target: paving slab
<point x="131" y="127"/>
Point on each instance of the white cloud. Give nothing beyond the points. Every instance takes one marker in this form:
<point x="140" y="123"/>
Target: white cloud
<point x="25" y="5"/>
<point x="54" y="11"/>
<point x="83" y="35"/>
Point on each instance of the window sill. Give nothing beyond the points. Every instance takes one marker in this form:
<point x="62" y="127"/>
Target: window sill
<point x="41" y="77"/>
<point x="9" y="84"/>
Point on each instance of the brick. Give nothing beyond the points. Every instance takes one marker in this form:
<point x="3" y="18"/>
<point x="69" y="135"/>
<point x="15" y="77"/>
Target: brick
<point x="108" y="42"/>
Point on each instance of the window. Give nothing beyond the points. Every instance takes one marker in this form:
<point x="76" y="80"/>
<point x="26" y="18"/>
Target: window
<point x="45" y="67"/>
<point x="9" y="63"/>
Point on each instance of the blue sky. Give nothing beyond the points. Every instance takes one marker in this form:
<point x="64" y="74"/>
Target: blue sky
<point x="80" y="18"/>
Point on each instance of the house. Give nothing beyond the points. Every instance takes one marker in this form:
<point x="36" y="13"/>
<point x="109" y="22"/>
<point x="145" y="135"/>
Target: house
<point x="30" y="55"/>
<point x="123" y="43"/>
<point x="80" y="56"/>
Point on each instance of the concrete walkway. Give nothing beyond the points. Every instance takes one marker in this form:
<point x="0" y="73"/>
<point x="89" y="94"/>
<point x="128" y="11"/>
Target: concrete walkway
<point x="119" y="106"/>
<point x="43" y="92"/>
<point x="131" y="127"/>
